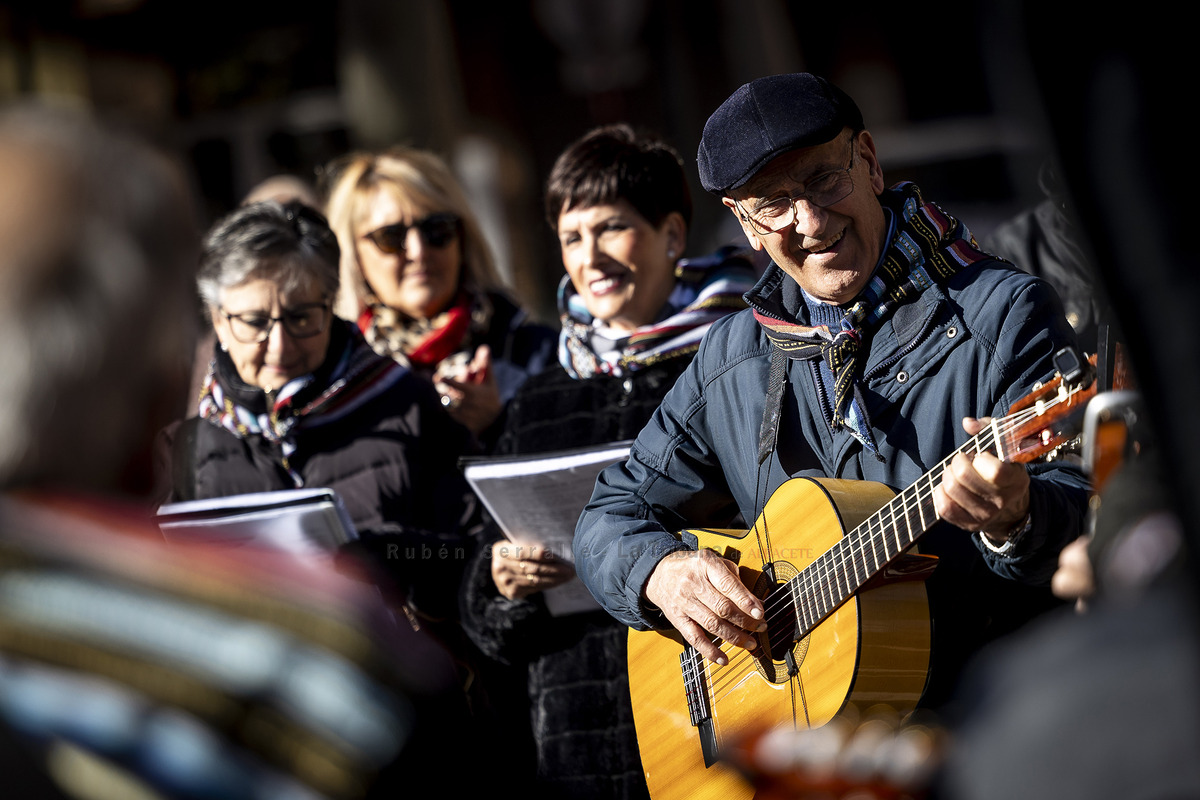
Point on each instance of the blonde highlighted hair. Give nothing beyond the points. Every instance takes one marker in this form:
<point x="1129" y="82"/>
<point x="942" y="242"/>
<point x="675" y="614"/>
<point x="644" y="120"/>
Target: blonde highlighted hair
<point x="419" y="178"/>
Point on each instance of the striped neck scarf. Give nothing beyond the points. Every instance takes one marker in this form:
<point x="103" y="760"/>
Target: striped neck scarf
<point x="929" y="246"/>
<point x="352" y="375"/>
<point x="706" y="289"/>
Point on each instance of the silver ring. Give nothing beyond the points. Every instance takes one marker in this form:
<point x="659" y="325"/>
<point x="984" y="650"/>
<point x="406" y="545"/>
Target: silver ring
<point x="449" y="403"/>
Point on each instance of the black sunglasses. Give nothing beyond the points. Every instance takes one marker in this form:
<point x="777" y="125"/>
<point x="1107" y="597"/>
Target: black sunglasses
<point x="437" y="230"/>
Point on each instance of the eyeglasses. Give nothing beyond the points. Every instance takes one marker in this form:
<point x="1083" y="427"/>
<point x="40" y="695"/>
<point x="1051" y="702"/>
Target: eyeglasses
<point x="301" y="322"/>
<point x="822" y="191"/>
<point x="437" y="230"/>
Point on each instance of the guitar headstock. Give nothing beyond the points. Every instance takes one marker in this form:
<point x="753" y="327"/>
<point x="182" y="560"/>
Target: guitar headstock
<point x="1050" y="416"/>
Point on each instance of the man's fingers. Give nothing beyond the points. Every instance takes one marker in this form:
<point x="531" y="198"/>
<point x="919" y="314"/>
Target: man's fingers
<point x="982" y="483"/>
<point x="735" y="602"/>
<point x="712" y="621"/>
<point x="700" y="639"/>
<point x="693" y="590"/>
<point x="957" y="488"/>
<point x="974" y="425"/>
<point x="982" y="493"/>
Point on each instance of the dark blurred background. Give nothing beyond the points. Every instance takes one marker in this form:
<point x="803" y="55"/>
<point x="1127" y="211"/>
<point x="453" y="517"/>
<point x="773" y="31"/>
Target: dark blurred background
<point x="248" y="89"/>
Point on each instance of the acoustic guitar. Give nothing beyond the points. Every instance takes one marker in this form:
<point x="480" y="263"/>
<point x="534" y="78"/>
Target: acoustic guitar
<point x="845" y="602"/>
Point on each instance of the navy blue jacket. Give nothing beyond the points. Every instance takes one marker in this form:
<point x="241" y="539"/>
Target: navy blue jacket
<point x="969" y="348"/>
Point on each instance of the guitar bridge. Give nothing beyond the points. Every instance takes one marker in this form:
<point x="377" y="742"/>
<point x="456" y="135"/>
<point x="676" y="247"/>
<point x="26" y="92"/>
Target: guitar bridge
<point x="695" y="687"/>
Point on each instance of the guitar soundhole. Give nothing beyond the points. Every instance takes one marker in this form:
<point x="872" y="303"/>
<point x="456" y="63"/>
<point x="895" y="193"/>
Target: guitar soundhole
<point x="780" y="636"/>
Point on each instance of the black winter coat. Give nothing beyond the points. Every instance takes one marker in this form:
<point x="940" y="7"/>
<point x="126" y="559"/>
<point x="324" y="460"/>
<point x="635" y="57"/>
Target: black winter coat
<point x="578" y="686"/>
<point x="392" y="460"/>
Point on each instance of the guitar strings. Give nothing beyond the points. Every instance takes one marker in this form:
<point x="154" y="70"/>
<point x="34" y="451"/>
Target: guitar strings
<point x="923" y="491"/>
<point x="987" y="439"/>
<point x="739" y="658"/>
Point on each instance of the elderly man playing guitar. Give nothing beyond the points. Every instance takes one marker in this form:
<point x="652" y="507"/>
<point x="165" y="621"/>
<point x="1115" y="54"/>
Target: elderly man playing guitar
<point x="879" y="340"/>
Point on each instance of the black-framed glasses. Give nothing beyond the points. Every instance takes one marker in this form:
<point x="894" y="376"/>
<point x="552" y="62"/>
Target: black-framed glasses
<point x="437" y="230"/>
<point x="822" y="191"/>
<point x="301" y="322"/>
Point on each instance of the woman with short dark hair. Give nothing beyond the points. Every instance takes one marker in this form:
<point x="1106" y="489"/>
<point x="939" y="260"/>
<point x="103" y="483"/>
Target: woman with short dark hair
<point x="633" y="313"/>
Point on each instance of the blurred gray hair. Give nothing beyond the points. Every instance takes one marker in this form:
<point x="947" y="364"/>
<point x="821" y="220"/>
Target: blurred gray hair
<point x="97" y="256"/>
<point x="289" y="244"/>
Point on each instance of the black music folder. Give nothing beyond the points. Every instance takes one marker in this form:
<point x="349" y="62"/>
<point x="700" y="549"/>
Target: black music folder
<point x="306" y="522"/>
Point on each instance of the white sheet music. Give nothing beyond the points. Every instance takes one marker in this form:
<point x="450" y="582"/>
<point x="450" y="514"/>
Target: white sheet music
<point x="537" y="499"/>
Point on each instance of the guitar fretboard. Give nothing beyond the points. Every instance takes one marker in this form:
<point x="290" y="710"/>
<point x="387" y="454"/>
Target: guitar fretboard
<point x="841" y="571"/>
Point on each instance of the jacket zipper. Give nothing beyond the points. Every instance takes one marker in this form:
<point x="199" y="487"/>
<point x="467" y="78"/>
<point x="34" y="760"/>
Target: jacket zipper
<point x="822" y="394"/>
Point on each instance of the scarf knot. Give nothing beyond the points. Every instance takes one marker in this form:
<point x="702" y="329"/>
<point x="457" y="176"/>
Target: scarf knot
<point x="928" y="246"/>
<point x="446" y="340"/>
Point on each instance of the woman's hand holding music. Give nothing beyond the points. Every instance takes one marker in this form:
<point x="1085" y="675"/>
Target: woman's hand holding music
<point x="701" y="594"/>
<point x="519" y="570"/>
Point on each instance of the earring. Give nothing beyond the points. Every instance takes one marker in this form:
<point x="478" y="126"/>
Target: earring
<point x="671" y="253"/>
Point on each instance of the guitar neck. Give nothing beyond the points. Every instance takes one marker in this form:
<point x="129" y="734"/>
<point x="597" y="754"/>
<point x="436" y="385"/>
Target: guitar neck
<point x="862" y="553"/>
<point x="1035" y="427"/>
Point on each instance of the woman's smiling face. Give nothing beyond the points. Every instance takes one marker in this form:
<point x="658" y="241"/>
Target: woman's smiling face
<point x="622" y="267"/>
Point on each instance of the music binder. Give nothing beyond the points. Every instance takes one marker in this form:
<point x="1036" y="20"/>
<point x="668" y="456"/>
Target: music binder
<point x="305" y="522"/>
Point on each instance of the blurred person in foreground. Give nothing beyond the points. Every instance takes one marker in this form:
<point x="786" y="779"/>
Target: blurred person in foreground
<point x="418" y="278"/>
<point x="129" y="667"/>
<point x="1103" y="703"/>
<point x="294" y="397"/>
<point x="633" y="312"/>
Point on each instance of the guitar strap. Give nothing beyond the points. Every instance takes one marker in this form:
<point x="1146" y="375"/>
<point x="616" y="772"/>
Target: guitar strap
<point x="768" y="434"/>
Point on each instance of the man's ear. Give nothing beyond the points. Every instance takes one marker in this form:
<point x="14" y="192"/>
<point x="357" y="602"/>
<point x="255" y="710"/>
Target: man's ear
<point x="866" y="149"/>
<point x="751" y="236"/>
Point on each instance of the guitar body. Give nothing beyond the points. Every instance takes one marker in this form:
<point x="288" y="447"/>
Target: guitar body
<point x="872" y="649"/>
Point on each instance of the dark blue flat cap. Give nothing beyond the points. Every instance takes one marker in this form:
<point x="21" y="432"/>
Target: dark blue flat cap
<point x="766" y="118"/>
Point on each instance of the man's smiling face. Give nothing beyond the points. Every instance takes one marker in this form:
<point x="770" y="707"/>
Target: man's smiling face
<point x="831" y="252"/>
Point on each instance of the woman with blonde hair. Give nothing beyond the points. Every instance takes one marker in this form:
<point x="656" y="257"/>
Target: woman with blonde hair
<point x="419" y="280"/>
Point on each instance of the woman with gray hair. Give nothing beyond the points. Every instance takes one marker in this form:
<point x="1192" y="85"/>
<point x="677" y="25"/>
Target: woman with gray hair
<point x="295" y="397"/>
